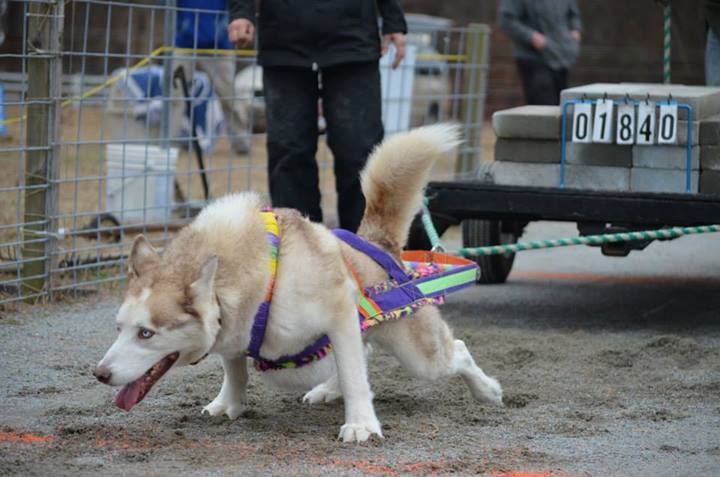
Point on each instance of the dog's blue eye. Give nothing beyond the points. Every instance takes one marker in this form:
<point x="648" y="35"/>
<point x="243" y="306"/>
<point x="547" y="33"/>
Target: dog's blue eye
<point x="145" y="334"/>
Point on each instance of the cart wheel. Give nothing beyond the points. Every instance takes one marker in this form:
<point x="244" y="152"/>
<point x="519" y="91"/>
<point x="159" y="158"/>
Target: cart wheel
<point x="481" y="233"/>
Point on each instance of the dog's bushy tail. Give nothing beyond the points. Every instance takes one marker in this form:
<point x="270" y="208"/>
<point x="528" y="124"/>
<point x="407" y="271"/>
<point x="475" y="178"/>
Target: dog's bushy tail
<point x="394" y="178"/>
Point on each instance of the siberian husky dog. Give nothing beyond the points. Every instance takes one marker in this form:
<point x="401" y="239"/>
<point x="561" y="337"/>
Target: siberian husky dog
<point x="201" y="297"/>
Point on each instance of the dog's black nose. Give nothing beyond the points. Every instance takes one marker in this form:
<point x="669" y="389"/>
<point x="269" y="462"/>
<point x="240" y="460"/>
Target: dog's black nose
<point x="103" y="374"/>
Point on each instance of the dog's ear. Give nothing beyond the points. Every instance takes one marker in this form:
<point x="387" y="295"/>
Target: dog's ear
<point x="143" y="257"/>
<point x="203" y="289"/>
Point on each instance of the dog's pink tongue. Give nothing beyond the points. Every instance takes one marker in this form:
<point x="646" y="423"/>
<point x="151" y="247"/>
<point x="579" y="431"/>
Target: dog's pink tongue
<point x="130" y="395"/>
<point x="134" y="392"/>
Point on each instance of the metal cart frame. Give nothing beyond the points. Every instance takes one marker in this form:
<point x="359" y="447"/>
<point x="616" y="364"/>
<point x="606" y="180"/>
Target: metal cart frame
<point x="495" y="214"/>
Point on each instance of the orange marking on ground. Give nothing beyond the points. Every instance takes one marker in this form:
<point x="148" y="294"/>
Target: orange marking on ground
<point x="366" y="467"/>
<point x="425" y="467"/>
<point x="25" y="438"/>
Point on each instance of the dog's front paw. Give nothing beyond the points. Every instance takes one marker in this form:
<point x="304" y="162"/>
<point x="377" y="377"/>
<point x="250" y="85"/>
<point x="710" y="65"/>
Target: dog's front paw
<point x="487" y="390"/>
<point x="493" y="392"/>
<point x="352" y="432"/>
<point x="322" y="393"/>
<point x="220" y="406"/>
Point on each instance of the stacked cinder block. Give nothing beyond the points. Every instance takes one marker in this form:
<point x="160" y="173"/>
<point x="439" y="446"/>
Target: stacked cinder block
<point x="710" y="155"/>
<point x="528" y="147"/>
<point x="663" y="168"/>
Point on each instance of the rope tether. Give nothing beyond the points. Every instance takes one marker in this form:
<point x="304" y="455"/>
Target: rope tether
<point x="660" y="234"/>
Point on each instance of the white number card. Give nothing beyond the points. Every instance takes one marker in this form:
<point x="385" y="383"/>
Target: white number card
<point x="582" y="123"/>
<point x="646" y="124"/>
<point x="625" y="124"/>
<point x="667" y="124"/>
<point x="603" y="124"/>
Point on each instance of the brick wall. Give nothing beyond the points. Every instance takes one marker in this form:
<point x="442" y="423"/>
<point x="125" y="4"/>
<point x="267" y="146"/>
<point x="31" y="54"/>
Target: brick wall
<point x="622" y="42"/>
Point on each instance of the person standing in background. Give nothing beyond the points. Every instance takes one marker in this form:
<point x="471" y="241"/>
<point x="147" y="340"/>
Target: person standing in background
<point x="712" y="49"/>
<point x="202" y="24"/>
<point x="312" y="49"/>
<point x="546" y="36"/>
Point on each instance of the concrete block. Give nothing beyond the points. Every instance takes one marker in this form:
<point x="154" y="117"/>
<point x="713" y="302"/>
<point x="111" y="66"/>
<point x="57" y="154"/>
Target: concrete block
<point x="704" y="100"/>
<point x="710" y="182"/>
<point x="599" y="154"/>
<point x="710" y="131"/>
<point x="548" y="175"/>
<point x="528" y="122"/>
<point x="710" y="158"/>
<point x="643" y="179"/>
<point x="527" y="150"/>
<point x="523" y="174"/>
<point x="665" y="157"/>
<point x="683" y="133"/>
<point x="597" y="177"/>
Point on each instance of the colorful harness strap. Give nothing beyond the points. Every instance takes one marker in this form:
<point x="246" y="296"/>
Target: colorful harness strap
<point x="427" y="278"/>
<point x="257" y="334"/>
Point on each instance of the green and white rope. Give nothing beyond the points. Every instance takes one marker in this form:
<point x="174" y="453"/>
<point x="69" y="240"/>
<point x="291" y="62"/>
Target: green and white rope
<point x="430" y="228"/>
<point x="667" y="44"/>
<point x="669" y="233"/>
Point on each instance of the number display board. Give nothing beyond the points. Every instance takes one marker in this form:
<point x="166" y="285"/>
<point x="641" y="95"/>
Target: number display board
<point x="635" y="123"/>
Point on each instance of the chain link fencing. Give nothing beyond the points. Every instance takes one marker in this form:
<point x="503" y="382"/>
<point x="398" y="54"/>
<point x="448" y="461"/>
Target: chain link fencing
<point x="108" y="130"/>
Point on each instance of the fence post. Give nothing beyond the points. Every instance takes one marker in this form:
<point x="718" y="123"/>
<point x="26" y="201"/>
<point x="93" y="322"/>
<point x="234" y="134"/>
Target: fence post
<point x="44" y="73"/>
<point x="167" y="85"/>
<point x="477" y="48"/>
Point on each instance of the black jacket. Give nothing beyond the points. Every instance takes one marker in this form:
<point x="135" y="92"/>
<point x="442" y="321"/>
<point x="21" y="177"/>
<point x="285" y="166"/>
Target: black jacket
<point x="320" y="32"/>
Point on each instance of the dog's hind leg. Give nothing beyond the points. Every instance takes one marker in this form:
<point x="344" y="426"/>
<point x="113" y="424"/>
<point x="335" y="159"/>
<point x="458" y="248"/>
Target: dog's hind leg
<point x="324" y="392"/>
<point x="425" y="347"/>
<point x="329" y="390"/>
<point x="232" y="397"/>
<point x="482" y="386"/>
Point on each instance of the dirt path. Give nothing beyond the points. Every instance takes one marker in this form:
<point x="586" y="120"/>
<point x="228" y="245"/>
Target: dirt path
<point x="577" y="401"/>
<point x="603" y="375"/>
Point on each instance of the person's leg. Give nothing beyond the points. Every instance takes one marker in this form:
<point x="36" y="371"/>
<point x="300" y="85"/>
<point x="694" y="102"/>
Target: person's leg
<point x="712" y="59"/>
<point x="561" y="82"/>
<point x="221" y="71"/>
<point x="538" y="82"/>
<point x="291" y="96"/>
<point x="352" y="108"/>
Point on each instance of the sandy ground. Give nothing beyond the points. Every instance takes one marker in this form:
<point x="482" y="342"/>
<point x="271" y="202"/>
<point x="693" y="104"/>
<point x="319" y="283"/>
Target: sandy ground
<point x="610" y="367"/>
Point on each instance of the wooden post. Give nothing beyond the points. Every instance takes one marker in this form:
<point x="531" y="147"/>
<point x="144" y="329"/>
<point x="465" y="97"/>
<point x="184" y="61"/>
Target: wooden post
<point x="477" y="48"/>
<point x="44" y="73"/>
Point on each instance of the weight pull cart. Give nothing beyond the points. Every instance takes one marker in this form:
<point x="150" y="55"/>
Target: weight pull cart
<point x="492" y="214"/>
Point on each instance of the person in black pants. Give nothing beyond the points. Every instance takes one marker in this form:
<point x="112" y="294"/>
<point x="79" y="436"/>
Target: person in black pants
<point x="304" y="44"/>
<point x="546" y="35"/>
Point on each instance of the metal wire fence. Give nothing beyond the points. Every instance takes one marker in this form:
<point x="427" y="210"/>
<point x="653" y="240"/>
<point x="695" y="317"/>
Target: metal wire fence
<point x="108" y="130"/>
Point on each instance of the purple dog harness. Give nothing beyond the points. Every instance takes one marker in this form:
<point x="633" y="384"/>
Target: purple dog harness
<point x="426" y="279"/>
